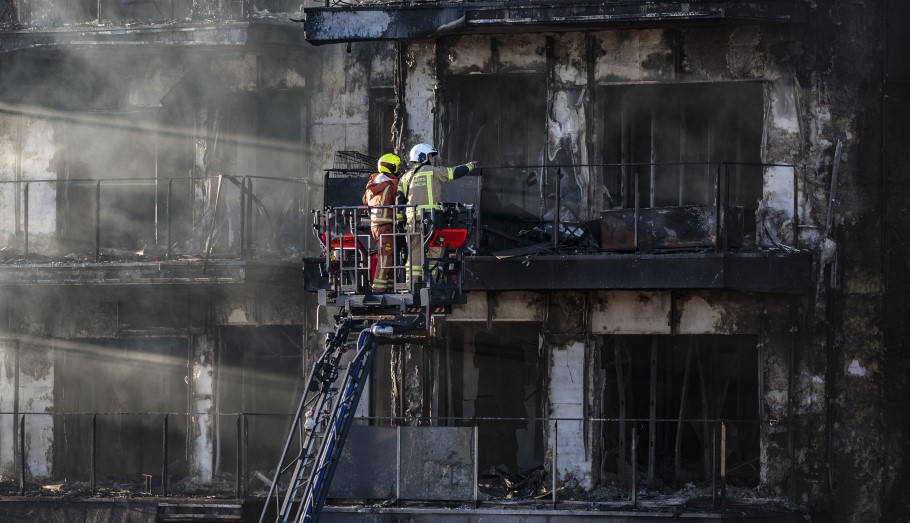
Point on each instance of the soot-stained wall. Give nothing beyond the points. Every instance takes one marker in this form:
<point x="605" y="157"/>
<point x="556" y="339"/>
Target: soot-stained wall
<point x="819" y="88"/>
<point x="830" y="364"/>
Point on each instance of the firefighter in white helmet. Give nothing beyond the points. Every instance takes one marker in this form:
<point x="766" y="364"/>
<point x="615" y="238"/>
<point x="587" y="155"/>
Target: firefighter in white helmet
<point x="420" y="189"/>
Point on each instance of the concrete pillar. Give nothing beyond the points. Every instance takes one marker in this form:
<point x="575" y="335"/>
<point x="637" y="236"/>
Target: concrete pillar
<point x="202" y="420"/>
<point x="36" y="397"/>
<point x="567" y="124"/>
<point x="9" y="367"/>
<point x="409" y="382"/>
<point x="774" y="219"/>
<point x="420" y="92"/>
<point x="567" y="399"/>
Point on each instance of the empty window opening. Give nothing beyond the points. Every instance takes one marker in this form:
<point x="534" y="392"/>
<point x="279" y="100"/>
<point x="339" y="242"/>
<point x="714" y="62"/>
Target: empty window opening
<point x="501" y="121"/>
<point x="140" y="376"/>
<point x="674" y="389"/>
<point x="112" y="147"/>
<point x="498" y="378"/>
<point x="672" y="136"/>
<point x="382" y="117"/>
<point x="259" y="375"/>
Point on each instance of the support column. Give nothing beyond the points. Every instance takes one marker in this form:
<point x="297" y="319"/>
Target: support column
<point x="9" y="370"/>
<point x="36" y="395"/>
<point x="409" y="379"/>
<point x="567" y="400"/>
<point x="420" y="94"/>
<point x="202" y="408"/>
<point x="773" y="367"/>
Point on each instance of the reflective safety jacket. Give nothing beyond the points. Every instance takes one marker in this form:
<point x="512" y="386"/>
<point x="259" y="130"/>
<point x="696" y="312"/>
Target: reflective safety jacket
<point x="381" y="191"/>
<point x="422" y="185"/>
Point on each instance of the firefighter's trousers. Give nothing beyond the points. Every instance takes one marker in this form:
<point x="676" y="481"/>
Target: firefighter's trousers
<point x="417" y="253"/>
<point x="385" y="242"/>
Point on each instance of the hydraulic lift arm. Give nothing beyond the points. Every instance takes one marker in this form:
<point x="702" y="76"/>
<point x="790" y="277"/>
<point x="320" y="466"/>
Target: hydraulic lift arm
<point x="343" y="276"/>
<point x="323" y="420"/>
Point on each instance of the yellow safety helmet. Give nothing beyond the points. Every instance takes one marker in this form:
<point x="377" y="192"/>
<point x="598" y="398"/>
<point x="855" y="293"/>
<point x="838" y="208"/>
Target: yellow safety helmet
<point x="389" y="163"/>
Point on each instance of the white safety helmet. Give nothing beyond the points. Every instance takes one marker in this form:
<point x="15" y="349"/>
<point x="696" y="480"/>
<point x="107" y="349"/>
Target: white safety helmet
<point x="421" y="152"/>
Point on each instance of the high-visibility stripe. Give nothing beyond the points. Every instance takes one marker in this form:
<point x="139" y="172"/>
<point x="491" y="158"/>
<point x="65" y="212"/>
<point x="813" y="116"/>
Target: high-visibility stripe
<point x="429" y="177"/>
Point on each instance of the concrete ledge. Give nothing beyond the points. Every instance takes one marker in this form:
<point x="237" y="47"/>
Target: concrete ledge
<point x="575" y="512"/>
<point x="223" y="34"/>
<point x="150" y="273"/>
<point x="760" y="272"/>
<point x="151" y="510"/>
<point x="392" y="21"/>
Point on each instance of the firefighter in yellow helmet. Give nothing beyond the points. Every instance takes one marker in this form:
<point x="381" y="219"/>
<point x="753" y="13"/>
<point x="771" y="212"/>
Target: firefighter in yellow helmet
<point x="380" y="194"/>
<point x="420" y="187"/>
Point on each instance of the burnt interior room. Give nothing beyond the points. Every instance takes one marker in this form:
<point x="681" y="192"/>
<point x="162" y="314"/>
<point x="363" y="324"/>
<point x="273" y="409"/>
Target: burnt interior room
<point x="501" y="120"/>
<point x="685" y="383"/>
<point x="124" y="387"/>
<point x="497" y="379"/>
<point x="684" y="130"/>
<point x="259" y="372"/>
<point x="137" y="172"/>
<point x="128" y="208"/>
<point x="381" y="118"/>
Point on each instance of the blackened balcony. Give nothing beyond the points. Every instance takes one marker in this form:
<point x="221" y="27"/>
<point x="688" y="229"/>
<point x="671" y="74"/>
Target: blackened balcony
<point x="351" y="21"/>
<point x="693" y="225"/>
<point x="34" y="24"/>
<point x="199" y="230"/>
<point x="685" y="225"/>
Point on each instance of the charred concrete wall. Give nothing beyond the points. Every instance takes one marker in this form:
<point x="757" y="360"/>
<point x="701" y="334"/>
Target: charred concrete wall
<point x="819" y="83"/>
<point x="40" y="13"/>
<point x="896" y="108"/>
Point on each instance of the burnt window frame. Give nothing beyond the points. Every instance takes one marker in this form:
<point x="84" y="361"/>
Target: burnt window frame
<point x="744" y="166"/>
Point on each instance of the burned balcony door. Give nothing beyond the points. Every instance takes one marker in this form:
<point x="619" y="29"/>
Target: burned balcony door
<point x="125" y="384"/>
<point x="119" y="151"/>
<point x="261" y="375"/>
<point x="665" y="149"/>
<point x="496" y="376"/>
<point x="382" y="117"/>
<point x="277" y="120"/>
<point x="683" y="386"/>
<point x="499" y="120"/>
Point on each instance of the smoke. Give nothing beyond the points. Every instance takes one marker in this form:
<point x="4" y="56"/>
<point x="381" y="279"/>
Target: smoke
<point x="150" y="152"/>
<point x="158" y="134"/>
<point x="122" y="390"/>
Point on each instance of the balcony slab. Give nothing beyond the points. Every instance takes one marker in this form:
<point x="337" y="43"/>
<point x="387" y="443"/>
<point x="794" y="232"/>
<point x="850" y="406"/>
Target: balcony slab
<point x="775" y="272"/>
<point x="255" y="34"/>
<point x="397" y="21"/>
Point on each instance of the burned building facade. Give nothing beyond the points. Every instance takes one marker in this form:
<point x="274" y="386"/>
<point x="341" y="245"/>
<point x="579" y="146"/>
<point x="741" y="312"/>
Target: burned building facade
<point x="689" y="241"/>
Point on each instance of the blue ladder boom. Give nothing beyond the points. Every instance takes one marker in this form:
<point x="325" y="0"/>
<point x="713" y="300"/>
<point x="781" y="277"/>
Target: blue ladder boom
<point x="322" y="422"/>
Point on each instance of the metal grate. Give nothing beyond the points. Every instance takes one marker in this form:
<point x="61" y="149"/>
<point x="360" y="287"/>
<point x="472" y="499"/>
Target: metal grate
<point x="353" y="160"/>
<point x="344" y="191"/>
